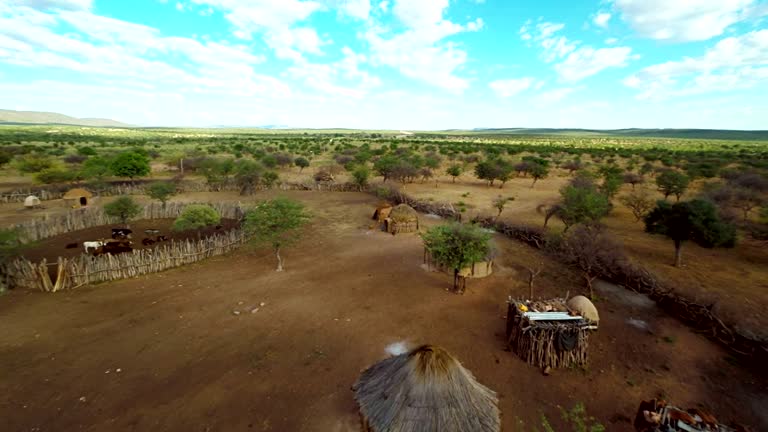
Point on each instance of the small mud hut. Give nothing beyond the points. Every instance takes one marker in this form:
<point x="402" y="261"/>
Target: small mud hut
<point x="77" y="198"/>
<point x="548" y="334"/>
<point x="402" y="219"/>
<point x="426" y="389"/>
<point x="31" y="202"/>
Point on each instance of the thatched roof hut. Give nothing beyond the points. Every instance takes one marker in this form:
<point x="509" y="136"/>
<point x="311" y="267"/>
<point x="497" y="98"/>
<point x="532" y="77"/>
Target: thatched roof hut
<point x="402" y="219"/>
<point x="77" y="197"/>
<point x="31" y="201"/>
<point x="584" y="307"/>
<point x="426" y="389"/>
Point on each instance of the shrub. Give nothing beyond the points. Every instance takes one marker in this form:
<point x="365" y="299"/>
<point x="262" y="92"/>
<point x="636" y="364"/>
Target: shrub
<point x="55" y="175"/>
<point x="123" y="208"/>
<point x="161" y="191"/>
<point x="360" y="176"/>
<point x="130" y="164"/>
<point x="196" y="216"/>
<point x="33" y="163"/>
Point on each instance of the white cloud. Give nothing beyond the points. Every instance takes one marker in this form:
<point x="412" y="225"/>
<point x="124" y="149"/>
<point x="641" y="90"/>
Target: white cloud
<point x="611" y="41"/>
<point x="419" y="52"/>
<point x="180" y="6"/>
<point x="572" y="61"/>
<point x="738" y="62"/>
<point x="683" y="21"/>
<point x="53" y="4"/>
<point x="555" y="95"/>
<point x="587" y="61"/>
<point x="384" y="6"/>
<point x="359" y="9"/>
<point x="601" y="19"/>
<point x="342" y="78"/>
<point x="510" y="87"/>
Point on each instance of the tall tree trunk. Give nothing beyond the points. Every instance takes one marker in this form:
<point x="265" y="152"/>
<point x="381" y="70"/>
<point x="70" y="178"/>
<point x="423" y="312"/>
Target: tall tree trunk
<point x="534" y="182"/>
<point x="678" y="253"/>
<point x="455" y="280"/>
<point x="279" y="259"/>
<point x="454" y="179"/>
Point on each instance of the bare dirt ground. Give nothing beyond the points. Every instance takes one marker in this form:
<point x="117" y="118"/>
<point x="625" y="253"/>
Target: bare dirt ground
<point x="735" y="280"/>
<point x="166" y="352"/>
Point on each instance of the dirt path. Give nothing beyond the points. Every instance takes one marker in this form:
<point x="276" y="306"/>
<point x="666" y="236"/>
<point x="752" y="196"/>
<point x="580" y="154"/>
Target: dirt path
<point x="188" y="363"/>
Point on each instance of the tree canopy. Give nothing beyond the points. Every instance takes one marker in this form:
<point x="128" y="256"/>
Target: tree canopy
<point x="196" y="216"/>
<point x="161" y="191"/>
<point x="123" y="208"/>
<point x="130" y="164"/>
<point x="696" y="220"/>
<point x="671" y="182"/>
<point x="456" y="246"/>
<point x="277" y="222"/>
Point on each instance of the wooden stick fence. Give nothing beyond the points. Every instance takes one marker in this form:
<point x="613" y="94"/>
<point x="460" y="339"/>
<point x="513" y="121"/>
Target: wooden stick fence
<point x="86" y="269"/>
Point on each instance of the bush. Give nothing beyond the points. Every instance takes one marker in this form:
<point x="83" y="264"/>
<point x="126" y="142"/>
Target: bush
<point x="55" y="175"/>
<point x="361" y="175"/>
<point x="130" y="164"/>
<point x="33" y="163"/>
<point x="196" y="216"/>
<point x="161" y="191"/>
<point x="301" y="162"/>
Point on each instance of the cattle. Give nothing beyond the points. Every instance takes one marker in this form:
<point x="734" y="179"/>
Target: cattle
<point x="72" y="245"/>
<point x="121" y="233"/>
<point x="88" y="245"/>
<point x="161" y="238"/>
<point x="218" y="227"/>
<point x="150" y="232"/>
<point x="114" y="248"/>
<point x="147" y="242"/>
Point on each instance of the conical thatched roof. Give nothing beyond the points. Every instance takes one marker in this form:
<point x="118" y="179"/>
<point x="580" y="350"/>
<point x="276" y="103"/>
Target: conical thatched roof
<point x="584" y="307"/>
<point x="425" y="390"/>
<point x="77" y="193"/>
<point x="403" y="213"/>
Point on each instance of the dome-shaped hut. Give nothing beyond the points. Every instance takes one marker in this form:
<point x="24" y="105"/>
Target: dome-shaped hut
<point x="402" y="219"/>
<point x="31" y="202"/>
<point x="426" y="389"/>
<point x="584" y="307"/>
<point x="77" y="197"/>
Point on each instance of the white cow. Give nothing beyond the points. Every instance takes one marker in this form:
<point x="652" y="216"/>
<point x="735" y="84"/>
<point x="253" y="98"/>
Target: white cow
<point x="93" y="245"/>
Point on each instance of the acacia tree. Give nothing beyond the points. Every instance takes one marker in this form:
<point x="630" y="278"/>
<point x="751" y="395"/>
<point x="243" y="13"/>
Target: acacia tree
<point x="538" y="171"/>
<point x="500" y="202"/>
<point x="672" y="183"/>
<point x="639" y="202"/>
<point x="301" y="162"/>
<point x="454" y="171"/>
<point x="247" y="176"/>
<point x="123" y="208"/>
<point x="696" y="220"/>
<point x="277" y="222"/>
<point x="588" y="247"/>
<point x="161" y="191"/>
<point x="580" y="202"/>
<point x="457" y="246"/>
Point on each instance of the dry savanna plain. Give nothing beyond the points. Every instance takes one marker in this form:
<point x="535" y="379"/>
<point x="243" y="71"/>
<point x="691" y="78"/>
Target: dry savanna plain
<point x="229" y="344"/>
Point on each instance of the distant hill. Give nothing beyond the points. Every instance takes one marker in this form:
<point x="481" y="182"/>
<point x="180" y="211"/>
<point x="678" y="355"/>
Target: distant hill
<point x="717" y="134"/>
<point x="42" y="118"/>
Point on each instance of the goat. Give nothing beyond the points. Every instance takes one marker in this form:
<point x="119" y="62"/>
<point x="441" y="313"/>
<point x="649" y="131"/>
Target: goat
<point x="147" y="242"/>
<point x="121" y="233"/>
<point x="161" y="238"/>
<point x="93" y="245"/>
<point x="72" y="245"/>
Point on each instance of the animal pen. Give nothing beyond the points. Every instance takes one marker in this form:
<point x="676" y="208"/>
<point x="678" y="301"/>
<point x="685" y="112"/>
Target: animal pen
<point x="545" y="333"/>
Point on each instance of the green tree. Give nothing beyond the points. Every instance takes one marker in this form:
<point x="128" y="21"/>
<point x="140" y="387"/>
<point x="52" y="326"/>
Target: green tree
<point x="301" y="162"/>
<point x="671" y="182"/>
<point x="579" y="205"/>
<point x="55" y="175"/>
<point x="696" y="220"/>
<point x="277" y="222"/>
<point x="360" y="176"/>
<point x="130" y="164"/>
<point x="95" y="168"/>
<point x="5" y="157"/>
<point x="86" y="151"/>
<point x="196" y="216"/>
<point x="161" y="191"/>
<point x="457" y="246"/>
<point x="10" y="244"/>
<point x="123" y="208"/>
<point x="32" y="163"/>
<point x="385" y="166"/>
<point x="538" y="171"/>
<point x="500" y="202"/>
<point x="269" y="178"/>
<point x="455" y="170"/>
<point x="247" y="176"/>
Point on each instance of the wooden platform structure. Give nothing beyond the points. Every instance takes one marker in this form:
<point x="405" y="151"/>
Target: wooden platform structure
<point x="542" y="337"/>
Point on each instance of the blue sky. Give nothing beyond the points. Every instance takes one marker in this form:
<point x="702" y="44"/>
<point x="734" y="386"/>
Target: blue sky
<point x="394" y="64"/>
